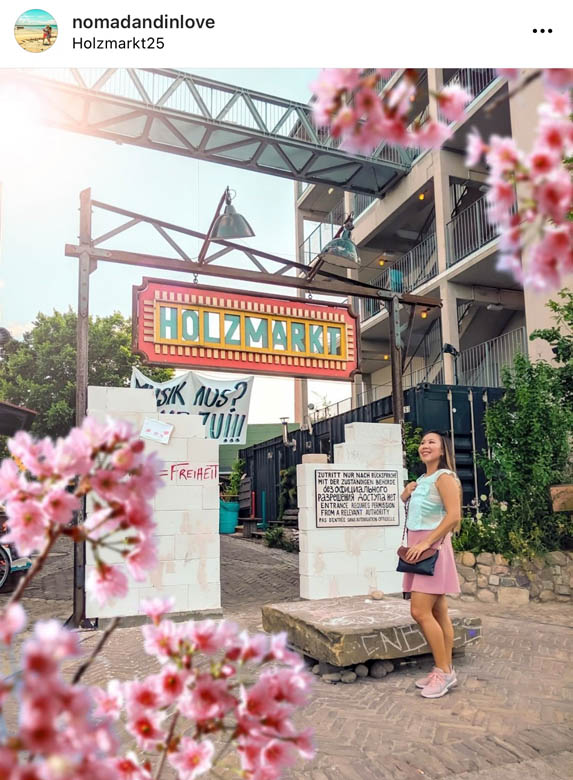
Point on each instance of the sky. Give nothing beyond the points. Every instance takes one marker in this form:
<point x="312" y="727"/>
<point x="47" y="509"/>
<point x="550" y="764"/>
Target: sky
<point x="35" y="16"/>
<point x="42" y="172"/>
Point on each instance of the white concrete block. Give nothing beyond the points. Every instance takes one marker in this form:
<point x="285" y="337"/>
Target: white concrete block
<point x="211" y="496"/>
<point x="204" y="598"/>
<point x="307" y="519"/>
<point x="165" y="548"/>
<point x="323" y="540"/>
<point x="319" y="587"/>
<point x="338" y="564"/>
<point x="99" y="415"/>
<point x="188" y="497"/>
<point x="187" y="426"/>
<point x="368" y="455"/>
<point x="127" y="399"/>
<point x="204" y="522"/>
<point x="372" y="432"/>
<point x="203" y="450"/>
<point x="394" y="535"/>
<point x="97" y="397"/>
<point x="174" y="451"/>
<point x="305" y="471"/>
<point x="378" y="560"/>
<point x="168" y="523"/>
<point x="195" y="546"/>
<point x="180" y="593"/>
<point x="306" y="496"/>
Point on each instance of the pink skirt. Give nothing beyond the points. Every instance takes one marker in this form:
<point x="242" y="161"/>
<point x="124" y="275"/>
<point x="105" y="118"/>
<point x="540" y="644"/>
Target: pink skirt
<point x="445" y="576"/>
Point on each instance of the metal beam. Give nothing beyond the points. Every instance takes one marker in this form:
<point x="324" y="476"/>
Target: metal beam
<point x="181" y="113"/>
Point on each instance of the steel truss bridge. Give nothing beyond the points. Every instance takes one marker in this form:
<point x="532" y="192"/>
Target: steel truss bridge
<point x="180" y="113"/>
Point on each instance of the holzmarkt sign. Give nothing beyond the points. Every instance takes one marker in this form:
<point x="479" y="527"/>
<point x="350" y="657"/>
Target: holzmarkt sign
<point x="185" y="325"/>
<point x="356" y="498"/>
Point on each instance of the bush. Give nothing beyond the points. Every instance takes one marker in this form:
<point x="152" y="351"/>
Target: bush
<point x="282" y="538"/>
<point x="528" y="434"/>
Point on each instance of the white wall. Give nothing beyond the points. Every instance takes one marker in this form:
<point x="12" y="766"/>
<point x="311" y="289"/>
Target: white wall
<point x="186" y="510"/>
<point x="350" y="561"/>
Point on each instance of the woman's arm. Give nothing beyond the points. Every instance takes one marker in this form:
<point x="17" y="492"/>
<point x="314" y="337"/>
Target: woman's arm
<point x="449" y="490"/>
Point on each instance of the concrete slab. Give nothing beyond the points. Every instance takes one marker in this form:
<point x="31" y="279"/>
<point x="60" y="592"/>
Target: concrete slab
<point x="354" y="629"/>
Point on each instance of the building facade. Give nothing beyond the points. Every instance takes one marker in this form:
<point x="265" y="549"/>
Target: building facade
<point x="429" y="234"/>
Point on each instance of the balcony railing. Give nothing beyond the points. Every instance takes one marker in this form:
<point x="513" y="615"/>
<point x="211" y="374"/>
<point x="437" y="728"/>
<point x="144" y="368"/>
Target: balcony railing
<point x="413" y="269"/>
<point x="468" y="231"/>
<point x="322" y="234"/>
<point x="361" y="203"/>
<point x="481" y="365"/>
<point x="433" y="374"/>
<point x="474" y="80"/>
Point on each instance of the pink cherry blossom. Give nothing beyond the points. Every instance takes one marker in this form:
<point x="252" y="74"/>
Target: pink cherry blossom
<point x="35" y="455"/>
<point x="141" y="695"/>
<point x="541" y="161"/>
<point x="475" y="148"/>
<point x="109" y="702"/>
<point x="27" y="525"/>
<point x="146" y="728"/>
<point x="432" y="134"/>
<point x="508" y="73"/>
<point x="192" y="759"/>
<point x="170" y="683"/>
<point x="157" y="608"/>
<point x="11" y="479"/>
<point x="142" y="558"/>
<point x="452" y="102"/>
<point x="558" y="78"/>
<point x="109" y="484"/>
<point x="208" y="699"/>
<point x="107" y="582"/>
<point x="162" y="640"/>
<point x="555" y="194"/>
<point x="129" y="768"/>
<point x="278" y="754"/>
<point x="12" y="621"/>
<point x="59" y="506"/>
<point x="56" y="640"/>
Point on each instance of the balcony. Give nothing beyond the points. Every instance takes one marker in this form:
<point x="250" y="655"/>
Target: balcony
<point x="322" y="234"/>
<point x="481" y="365"/>
<point x="474" y="80"/>
<point x="468" y="231"/>
<point x="433" y="374"/>
<point x="412" y="269"/>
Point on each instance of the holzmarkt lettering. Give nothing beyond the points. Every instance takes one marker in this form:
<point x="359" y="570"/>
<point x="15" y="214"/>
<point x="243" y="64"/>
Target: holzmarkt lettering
<point x="178" y="324"/>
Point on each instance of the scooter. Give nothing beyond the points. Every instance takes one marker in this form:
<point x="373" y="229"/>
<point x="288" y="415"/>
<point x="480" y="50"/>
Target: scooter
<point x="11" y="566"/>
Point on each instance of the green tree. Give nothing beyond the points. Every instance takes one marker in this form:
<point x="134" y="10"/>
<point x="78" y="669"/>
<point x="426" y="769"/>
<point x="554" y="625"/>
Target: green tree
<point x="528" y="434"/>
<point x="39" y="371"/>
<point x="560" y="336"/>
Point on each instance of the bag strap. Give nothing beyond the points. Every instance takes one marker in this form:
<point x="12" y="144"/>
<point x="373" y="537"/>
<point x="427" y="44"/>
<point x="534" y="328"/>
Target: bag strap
<point x="406" y="506"/>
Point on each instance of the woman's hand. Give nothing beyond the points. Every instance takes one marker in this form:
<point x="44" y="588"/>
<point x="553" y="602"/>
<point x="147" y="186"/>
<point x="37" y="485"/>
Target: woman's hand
<point x="409" y="489"/>
<point x="416" y="550"/>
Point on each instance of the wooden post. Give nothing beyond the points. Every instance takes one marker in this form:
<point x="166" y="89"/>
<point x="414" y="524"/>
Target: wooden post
<point x="82" y="345"/>
<point x="396" y="359"/>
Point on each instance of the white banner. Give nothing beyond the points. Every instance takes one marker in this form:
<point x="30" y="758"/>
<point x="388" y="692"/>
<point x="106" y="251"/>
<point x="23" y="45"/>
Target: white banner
<point x="223" y="404"/>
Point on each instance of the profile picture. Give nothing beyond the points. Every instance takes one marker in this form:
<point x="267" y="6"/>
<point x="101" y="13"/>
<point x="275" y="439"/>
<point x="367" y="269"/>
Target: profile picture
<point x="36" y="30"/>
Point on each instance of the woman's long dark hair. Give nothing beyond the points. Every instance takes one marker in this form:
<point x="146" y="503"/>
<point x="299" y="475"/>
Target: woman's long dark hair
<point x="447" y="461"/>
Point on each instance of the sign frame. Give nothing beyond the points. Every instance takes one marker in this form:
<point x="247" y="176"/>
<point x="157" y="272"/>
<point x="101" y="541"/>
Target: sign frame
<point x="352" y="524"/>
<point x="287" y="367"/>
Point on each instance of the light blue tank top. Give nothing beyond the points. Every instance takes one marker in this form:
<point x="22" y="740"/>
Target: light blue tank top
<point x="426" y="510"/>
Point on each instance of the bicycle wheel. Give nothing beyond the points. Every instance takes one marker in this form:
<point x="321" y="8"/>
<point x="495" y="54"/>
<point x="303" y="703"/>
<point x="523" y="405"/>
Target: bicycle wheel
<point x="4" y="566"/>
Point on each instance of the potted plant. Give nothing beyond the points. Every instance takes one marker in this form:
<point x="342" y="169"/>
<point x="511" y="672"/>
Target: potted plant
<point x="229" y="499"/>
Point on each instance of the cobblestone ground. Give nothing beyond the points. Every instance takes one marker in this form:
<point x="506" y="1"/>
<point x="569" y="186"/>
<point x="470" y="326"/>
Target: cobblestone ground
<point x="511" y="715"/>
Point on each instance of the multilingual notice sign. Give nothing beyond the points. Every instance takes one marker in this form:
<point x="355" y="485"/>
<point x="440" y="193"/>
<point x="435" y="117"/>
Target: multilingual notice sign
<point x="357" y="498"/>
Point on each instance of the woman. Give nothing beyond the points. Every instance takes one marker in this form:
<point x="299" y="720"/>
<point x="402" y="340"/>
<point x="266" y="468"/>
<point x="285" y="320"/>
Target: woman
<point x="434" y="511"/>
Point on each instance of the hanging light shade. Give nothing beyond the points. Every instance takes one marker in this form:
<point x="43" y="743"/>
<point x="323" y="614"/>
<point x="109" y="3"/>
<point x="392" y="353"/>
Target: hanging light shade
<point x="341" y="251"/>
<point x="230" y="224"/>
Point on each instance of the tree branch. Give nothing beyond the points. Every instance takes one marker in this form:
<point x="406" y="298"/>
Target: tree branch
<point x="96" y="651"/>
<point x="512" y="92"/>
<point x="167" y="743"/>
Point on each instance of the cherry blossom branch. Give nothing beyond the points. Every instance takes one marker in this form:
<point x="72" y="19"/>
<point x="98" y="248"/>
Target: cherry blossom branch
<point x="515" y="91"/>
<point x="96" y="651"/>
<point x="172" y="725"/>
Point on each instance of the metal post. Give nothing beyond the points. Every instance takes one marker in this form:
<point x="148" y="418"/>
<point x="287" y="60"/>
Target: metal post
<point x="474" y="453"/>
<point x="86" y="265"/>
<point x="396" y="359"/>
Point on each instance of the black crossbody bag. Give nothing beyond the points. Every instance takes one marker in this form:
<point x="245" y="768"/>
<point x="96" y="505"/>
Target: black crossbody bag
<point x="427" y="561"/>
